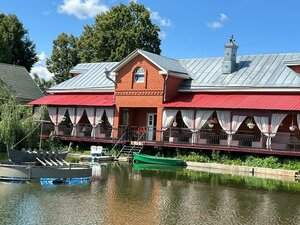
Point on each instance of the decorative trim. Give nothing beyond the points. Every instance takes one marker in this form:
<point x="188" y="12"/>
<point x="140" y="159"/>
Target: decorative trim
<point x="83" y="90"/>
<point x="250" y="89"/>
<point x="139" y="93"/>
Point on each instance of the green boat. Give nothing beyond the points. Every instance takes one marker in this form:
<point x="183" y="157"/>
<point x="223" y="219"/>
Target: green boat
<point x="142" y="158"/>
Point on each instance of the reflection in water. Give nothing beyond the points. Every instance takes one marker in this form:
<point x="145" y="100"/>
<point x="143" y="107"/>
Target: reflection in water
<point x="120" y="194"/>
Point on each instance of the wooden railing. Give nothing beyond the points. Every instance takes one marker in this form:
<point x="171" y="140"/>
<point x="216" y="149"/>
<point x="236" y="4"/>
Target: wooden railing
<point x="243" y="139"/>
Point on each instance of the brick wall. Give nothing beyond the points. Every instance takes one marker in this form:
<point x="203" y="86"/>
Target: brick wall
<point x="144" y="97"/>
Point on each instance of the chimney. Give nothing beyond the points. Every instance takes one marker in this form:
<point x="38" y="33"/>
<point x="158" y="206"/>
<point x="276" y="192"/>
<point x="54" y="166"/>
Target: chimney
<point x="229" y="62"/>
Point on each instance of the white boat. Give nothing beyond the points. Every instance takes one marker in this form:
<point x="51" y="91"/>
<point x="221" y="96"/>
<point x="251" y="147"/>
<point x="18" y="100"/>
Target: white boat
<point x="97" y="155"/>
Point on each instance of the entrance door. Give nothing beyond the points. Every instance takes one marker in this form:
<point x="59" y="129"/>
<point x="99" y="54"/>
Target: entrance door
<point x="151" y="125"/>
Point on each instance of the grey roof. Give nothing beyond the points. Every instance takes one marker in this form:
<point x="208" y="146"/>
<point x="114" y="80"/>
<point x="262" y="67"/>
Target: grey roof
<point x="168" y="64"/>
<point x="260" y="71"/>
<point x="165" y="64"/>
<point x="19" y="80"/>
<point x="92" y="76"/>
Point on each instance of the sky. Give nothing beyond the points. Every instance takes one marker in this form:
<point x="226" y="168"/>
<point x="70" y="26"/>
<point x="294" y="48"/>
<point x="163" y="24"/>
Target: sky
<point x="189" y="28"/>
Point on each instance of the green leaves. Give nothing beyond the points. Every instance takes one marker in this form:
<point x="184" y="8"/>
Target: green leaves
<point x="16" y="47"/>
<point x="64" y="57"/>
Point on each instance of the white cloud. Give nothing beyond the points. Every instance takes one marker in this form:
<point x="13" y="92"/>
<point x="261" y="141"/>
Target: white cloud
<point x="223" y="17"/>
<point x="40" y="68"/>
<point x="162" y="21"/>
<point x="162" y="35"/>
<point x="218" y="24"/>
<point x="82" y="9"/>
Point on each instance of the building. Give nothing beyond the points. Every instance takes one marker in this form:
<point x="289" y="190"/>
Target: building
<point x="20" y="82"/>
<point x="247" y="103"/>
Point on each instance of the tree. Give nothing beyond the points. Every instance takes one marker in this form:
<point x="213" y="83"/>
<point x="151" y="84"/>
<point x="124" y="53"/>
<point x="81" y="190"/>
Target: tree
<point x="42" y="83"/>
<point x="16" y="47"/>
<point x="64" y="57"/>
<point x="17" y="121"/>
<point x="117" y="33"/>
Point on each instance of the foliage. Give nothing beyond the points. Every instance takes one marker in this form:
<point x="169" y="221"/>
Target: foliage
<point x="17" y="121"/>
<point x="64" y="57"/>
<point x="194" y="157"/>
<point x="6" y="92"/>
<point x="72" y="159"/>
<point x="117" y="33"/>
<point x="250" y="160"/>
<point x="16" y="47"/>
<point x="42" y="83"/>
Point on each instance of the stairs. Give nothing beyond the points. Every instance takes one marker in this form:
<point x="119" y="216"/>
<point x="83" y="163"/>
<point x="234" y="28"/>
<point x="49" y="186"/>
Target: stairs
<point x="129" y="149"/>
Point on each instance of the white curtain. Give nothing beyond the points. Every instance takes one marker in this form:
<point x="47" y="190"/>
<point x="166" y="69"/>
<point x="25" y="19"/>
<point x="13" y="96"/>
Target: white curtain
<point x="235" y="124"/>
<point x="110" y="115"/>
<point x="188" y="117"/>
<point x="60" y="115"/>
<point x="224" y="118"/>
<point x="269" y="131"/>
<point x="262" y="123"/>
<point x="201" y="117"/>
<point x="94" y="119"/>
<point x="195" y="124"/>
<point x="298" y="120"/>
<point x="75" y="117"/>
<point x="168" y="117"/>
<point x="52" y="114"/>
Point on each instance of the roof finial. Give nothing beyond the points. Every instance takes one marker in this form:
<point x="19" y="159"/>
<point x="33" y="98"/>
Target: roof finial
<point x="231" y="40"/>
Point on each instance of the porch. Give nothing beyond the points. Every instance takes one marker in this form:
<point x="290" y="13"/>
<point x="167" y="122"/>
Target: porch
<point x="208" y="139"/>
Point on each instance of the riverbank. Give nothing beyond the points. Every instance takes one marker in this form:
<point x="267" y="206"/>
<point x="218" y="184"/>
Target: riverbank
<point x="259" y="172"/>
<point x="250" y="171"/>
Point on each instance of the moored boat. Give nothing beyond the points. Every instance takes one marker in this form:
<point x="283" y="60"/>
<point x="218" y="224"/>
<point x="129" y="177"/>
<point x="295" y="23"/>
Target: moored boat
<point x="143" y="158"/>
<point x="32" y="171"/>
<point x="20" y="156"/>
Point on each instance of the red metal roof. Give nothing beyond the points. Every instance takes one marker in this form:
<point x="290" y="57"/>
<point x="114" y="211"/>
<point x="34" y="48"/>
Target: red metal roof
<point x="236" y="101"/>
<point x="76" y="99"/>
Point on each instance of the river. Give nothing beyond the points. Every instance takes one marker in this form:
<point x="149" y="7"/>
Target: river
<point x="123" y="194"/>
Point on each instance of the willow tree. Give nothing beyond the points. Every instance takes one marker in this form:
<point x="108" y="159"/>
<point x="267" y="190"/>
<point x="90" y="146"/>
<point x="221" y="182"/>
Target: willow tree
<point x="16" y="121"/>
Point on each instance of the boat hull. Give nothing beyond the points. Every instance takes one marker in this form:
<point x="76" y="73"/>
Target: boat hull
<point x="28" y="172"/>
<point x="18" y="156"/>
<point x="97" y="158"/>
<point x="142" y="158"/>
<point x="148" y="166"/>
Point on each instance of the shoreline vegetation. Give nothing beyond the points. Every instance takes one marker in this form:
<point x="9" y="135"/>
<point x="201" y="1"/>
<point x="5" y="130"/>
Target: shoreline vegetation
<point x="216" y="156"/>
<point x="271" y="162"/>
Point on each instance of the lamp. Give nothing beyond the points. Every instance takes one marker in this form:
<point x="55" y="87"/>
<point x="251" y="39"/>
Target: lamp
<point x="175" y="123"/>
<point x="211" y="123"/>
<point x="292" y="127"/>
<point x="250" y="124"/>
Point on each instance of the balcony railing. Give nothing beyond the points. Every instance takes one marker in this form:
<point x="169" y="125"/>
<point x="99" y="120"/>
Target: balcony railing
<point x="242" y="139"/>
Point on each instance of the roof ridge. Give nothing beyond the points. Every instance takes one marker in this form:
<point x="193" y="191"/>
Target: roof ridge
<point x="239" y="56"/>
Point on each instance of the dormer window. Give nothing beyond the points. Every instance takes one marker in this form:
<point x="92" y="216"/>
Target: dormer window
<point x="139" y="75"/>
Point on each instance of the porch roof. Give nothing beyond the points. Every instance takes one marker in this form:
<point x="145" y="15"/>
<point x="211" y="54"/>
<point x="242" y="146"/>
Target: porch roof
<point x="76" y="100"/>
<point x="237" y="101"/>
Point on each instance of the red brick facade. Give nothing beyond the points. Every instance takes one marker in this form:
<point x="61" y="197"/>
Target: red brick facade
<point x="145" y="97"/>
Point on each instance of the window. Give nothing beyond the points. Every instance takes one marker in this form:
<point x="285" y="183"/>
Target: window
<point x="139" y="75"/>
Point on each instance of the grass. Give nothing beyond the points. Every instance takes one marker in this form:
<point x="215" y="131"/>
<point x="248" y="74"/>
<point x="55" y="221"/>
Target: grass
<point x="248" y="160"/>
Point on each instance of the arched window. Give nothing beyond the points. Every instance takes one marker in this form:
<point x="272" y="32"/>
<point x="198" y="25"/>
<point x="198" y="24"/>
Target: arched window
<point x="139" y="75"/>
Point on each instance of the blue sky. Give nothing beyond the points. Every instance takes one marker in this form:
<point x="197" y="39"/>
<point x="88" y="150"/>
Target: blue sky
<point x="189" y="29"/>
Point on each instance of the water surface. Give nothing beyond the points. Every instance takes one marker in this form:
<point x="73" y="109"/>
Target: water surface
<point x="121" y="194"/>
